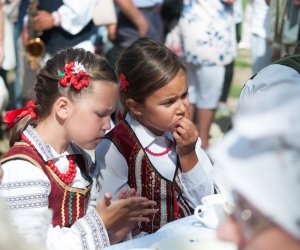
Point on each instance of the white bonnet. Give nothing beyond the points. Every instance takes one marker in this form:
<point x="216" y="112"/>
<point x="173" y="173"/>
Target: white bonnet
<point x="260" y="157"/>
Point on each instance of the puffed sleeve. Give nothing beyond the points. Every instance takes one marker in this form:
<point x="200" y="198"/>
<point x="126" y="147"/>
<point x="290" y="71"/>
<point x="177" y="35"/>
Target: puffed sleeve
<point x="111" y="169"/>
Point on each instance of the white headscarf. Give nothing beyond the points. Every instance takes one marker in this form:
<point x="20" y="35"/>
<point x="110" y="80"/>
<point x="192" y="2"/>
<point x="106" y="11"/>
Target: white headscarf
<point x="261" y="155"/>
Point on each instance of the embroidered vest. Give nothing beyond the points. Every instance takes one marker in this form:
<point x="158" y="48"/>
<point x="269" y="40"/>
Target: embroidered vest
<point x="68" y="203"/>
<point x="57" y="38"/>
<point x="143" y="176"/>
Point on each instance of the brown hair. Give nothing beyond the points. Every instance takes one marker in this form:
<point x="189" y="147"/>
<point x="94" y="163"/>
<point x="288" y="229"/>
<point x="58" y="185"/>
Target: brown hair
<point x="147" y="66"/>
<point x="48" y="89"/>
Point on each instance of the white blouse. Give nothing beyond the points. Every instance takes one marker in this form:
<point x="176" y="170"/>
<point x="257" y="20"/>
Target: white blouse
<point x="27" y="188"/>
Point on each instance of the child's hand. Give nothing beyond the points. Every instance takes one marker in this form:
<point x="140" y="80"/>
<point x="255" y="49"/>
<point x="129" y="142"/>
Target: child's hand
<point x="120" y="216"/>
<point x="128" y="192"/>
<point x="186" y="136"/>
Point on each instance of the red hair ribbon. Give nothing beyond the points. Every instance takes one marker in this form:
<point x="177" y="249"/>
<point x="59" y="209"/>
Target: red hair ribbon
<point x="75" y="75"/>
<point x="124" y="83"/>
<point x="13" y="116"/>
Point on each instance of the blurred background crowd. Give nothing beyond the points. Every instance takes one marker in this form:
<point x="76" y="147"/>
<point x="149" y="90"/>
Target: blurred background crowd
<point x="216" y="39"/>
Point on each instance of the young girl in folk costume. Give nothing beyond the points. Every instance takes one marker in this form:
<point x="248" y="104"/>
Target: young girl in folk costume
<point x="156" y="148"/>
<point x="76" y="92"/>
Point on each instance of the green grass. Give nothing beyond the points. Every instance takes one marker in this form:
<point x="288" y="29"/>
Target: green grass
<point x="235" y="90"/>
<point x="244" y="2"/>
<point x="242" y="64"/>
<point x="243" y="67"/>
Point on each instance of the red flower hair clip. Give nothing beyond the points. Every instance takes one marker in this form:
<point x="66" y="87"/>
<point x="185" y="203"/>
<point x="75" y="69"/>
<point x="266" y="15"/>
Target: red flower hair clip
<point x="124" y="83"/>
<point x="13" y="116"/>
<point x="75" y="75"/>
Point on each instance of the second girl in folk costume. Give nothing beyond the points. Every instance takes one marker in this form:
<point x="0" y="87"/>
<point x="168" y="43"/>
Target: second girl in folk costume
<point x="156" y="148"/>
<point x="76" y="92"/>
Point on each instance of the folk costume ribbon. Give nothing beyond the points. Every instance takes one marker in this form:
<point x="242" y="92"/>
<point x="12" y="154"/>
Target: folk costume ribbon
<point x="13" y="116"/>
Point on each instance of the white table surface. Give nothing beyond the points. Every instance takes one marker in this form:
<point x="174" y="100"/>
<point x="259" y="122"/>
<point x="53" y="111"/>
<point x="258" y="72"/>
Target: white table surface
<point x="184" y="226"/>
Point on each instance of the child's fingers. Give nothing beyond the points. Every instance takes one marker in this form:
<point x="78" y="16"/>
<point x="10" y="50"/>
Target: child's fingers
<point x="177" y="138"/>
<point x="107" y="199"/>
<point x="131" y="192"/>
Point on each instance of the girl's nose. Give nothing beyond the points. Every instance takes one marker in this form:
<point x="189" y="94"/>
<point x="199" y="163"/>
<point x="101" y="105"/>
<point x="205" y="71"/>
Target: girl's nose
<point x="183" y="107"/>
<point x="107" y="123"/>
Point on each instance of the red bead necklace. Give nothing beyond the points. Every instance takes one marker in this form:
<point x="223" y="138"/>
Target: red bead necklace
<point x="67" y="177"/>
<point x="167" y="150"/>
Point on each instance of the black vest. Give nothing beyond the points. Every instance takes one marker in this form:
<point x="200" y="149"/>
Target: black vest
<point x="56" y="38"/>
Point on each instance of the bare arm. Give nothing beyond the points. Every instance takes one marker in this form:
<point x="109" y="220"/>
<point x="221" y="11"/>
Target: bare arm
<point x="133" y="14"/>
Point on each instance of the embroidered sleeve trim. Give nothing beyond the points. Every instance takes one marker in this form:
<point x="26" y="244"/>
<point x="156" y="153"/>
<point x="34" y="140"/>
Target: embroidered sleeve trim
<point x="83" y="239"/>
<point x="37" y="200"/>
<point x="25" y="184"/>
<point x="99" y="233"/>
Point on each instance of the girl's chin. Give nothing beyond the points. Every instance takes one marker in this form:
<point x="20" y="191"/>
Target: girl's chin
<point x="91" y="145"/>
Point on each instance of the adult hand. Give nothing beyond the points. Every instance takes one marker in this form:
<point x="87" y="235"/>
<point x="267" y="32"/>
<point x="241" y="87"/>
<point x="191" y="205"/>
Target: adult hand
<point x="43" y="20"/>
<point x="120" y="216"/>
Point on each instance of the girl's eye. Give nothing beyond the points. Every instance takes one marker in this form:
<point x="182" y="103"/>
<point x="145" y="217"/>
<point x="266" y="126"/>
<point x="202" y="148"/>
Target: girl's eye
<point x="168" y="103"/>
<point x="184" y="95"/>
<point x="101" y="115"/>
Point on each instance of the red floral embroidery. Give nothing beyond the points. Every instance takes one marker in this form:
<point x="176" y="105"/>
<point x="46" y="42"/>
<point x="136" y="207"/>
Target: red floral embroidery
<point x="75" y="75"/>
<point x="124" y="83"/>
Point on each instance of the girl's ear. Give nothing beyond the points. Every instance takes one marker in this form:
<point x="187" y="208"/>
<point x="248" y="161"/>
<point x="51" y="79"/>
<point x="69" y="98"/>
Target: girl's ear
<point x="62" y="107"/>
<point x="133" y="107"/>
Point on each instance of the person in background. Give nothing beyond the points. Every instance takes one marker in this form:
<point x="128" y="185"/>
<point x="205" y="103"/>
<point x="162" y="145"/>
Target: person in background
<point x="3" y="89"/>
<point x="7" y="57"/>
<point x="170" y="13"/>
<point x="206" y="31"/>
<point x="261" y="51"/>
<point x="284" y="27"/>
<point x="136" y="18"/>
<point x="60" y="25"/>
<point x="229" y="68"/>
<point x="64" y="24"/>
<point x="156" y="148"/>
<point x="260" y="161"/>
<point x="76" y="89"/>
<point x="245" y="42"/>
